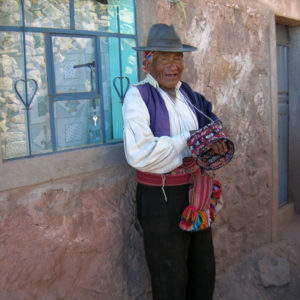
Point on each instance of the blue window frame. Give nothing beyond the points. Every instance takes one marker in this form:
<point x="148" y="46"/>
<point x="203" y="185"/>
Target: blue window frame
<point x="65" y="66"/>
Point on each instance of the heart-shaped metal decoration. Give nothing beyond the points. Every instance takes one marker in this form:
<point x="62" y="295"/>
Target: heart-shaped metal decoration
<point x="28" y="84"/>
<point x="121" y="94"/>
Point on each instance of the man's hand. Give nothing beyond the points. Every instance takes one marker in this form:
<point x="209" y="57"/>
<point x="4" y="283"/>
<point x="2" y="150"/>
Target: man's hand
<point x="219" y="147"/>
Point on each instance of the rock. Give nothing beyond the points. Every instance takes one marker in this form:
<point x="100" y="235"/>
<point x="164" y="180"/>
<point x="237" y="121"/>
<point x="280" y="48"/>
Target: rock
<point x="274" y="271"/>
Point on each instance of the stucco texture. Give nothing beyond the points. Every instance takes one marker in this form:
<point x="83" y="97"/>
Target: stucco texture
<point x="72" y="239"/>
<point x="285" y="8"/>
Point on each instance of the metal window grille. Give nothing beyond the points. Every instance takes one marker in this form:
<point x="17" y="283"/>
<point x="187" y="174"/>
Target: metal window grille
<point x="65" y="66"/>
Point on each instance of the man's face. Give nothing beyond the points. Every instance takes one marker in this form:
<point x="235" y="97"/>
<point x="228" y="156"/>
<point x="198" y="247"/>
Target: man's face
<point x="166" y="68"/>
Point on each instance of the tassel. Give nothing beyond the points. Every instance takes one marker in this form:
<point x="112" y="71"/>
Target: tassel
<point x="216" y="199"/>
<point x="204" y="220"/>
<point x="197" y="223"/>
<point x="188" y="217"/>
<point x="212" y="213"/>
<point x="189" y="213"/>
<point x="187" y="226"/>
<point x="192" y="220"/>
<point x="217" y="189"/>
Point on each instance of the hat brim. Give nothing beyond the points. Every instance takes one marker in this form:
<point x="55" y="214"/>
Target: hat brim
<point x="184" y="48"/>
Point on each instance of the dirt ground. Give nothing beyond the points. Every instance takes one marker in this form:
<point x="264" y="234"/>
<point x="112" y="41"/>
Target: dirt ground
<point x="271" y="272"/>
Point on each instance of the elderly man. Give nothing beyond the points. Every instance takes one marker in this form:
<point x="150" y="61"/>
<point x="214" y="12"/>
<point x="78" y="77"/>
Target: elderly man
<point x="160" y="113"/>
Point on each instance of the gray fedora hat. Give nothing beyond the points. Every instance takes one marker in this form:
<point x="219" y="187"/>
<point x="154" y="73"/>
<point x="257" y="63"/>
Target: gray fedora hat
<point x="164" y="38"/>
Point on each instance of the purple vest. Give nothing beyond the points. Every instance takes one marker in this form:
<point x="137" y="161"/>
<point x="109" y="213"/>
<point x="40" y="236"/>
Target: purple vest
<point x="159" y="116"/>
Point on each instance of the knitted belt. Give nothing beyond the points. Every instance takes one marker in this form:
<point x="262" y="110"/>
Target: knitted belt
<point x="153" y="179"/>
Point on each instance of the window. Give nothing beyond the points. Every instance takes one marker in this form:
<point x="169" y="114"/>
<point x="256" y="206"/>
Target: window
<point x="65" y="66"/>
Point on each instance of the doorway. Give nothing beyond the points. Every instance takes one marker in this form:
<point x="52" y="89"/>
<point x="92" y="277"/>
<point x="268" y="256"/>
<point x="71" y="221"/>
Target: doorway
<point x="288" y="66"/>
<point x="282" y="41"/>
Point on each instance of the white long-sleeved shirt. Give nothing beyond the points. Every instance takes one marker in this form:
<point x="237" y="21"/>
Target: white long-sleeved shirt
<point x="143" y="150"/>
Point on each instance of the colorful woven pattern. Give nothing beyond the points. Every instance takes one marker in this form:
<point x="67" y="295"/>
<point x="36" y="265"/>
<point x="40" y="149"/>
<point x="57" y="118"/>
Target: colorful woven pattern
<point x="200" y="146"/>
<point x="147" y="55"/>
<point x="200" y="191"/>
<point x="201" y="214"/>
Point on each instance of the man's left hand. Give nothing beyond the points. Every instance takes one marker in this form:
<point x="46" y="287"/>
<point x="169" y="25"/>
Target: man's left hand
<point x="219" y="147"/>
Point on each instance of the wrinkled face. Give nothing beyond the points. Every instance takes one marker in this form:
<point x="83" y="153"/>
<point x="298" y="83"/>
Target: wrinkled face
<point x="166" y="68"/>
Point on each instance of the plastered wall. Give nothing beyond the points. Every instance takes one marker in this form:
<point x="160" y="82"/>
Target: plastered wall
<point x="288" y="8"/>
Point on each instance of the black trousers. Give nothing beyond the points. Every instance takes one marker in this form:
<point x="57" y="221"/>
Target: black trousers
<point x="181" y="264"/>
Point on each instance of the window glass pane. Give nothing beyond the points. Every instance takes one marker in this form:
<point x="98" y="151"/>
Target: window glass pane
<point x="77" y="123"/>
<point x="13" y="117"/>
<point x="39" y="108"/>
<point x="70" y="52"/>
<point x="91" y="15"/>
<point x="129" y="76"/>
<point x="12" y="112"/>
<point x="129" y="60"/>
<point x="115" y="83"/>
<point x="10" y="12"/>
<point x="114" y="79"/>
<point x="102" y="15"/>
<point x="104" y="45"/>
<point x="126" y="15"/>
<point x="47" y="13"/>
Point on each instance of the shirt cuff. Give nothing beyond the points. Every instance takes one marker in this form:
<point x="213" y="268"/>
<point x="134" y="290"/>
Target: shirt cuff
<point x="180" y="144"/>
<point x="186" y="135"/>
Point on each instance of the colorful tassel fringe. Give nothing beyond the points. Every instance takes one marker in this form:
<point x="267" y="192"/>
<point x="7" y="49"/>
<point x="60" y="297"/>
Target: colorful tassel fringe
<point x="217" y="189"/>
<point x="193" y="220"/>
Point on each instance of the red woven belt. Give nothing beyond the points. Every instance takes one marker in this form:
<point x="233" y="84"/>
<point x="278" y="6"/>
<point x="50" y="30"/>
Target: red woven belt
<point x="154" y="179"/>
